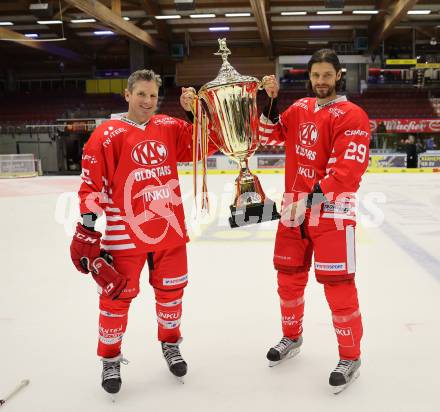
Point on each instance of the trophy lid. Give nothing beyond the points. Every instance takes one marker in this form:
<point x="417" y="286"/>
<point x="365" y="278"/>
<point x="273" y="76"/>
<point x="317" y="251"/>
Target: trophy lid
<point x="227" y="73"/>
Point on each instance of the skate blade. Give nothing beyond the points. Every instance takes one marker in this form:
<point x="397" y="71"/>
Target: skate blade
<point x="290" y="354"/>
<point x="339" y="389"/>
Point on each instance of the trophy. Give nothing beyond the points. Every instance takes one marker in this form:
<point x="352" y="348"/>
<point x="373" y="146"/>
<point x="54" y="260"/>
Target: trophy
<point x="229" y="102"/>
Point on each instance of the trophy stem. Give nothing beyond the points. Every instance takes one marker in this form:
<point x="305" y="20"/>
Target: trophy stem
<point x="243" y="163"/>
<point x="250" y="203"/>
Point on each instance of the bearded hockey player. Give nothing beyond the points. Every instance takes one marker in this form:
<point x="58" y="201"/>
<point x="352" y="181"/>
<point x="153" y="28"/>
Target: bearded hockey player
<point x="326" y="140"/>
<point x="129" y="173"/>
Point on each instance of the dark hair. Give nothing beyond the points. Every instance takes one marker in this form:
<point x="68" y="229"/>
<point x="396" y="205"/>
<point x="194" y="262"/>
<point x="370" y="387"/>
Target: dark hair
<point x="325" y="56"/>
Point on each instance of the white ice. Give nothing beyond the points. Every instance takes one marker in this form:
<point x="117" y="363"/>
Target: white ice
<point x="48" y="311"/>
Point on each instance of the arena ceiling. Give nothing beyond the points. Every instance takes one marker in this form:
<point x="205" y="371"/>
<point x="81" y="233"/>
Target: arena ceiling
<point x="277" y="27"/>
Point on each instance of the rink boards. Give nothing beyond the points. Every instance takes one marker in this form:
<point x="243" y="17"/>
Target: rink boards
<point x="274" y="164"/>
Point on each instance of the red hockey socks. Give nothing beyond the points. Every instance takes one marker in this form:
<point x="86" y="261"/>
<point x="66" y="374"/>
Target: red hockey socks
<point x="169" y="312"/>
<point x="291" y="291"/>
<point x="347" y="320"/>
<point x="113" y="318"/>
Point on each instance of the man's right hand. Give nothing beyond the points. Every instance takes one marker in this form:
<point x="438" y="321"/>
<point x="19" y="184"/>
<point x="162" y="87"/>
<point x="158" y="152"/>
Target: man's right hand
<point x="270" y="84"/>
<point x="85" y="248"/>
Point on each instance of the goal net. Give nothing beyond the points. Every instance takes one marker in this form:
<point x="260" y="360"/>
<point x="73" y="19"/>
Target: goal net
<point x="18" y="165"/>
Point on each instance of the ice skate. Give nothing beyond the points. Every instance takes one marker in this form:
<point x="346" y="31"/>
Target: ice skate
<point x="344" y="374"/>
<point x="285" y="349"/>
<point x="111" y="374"/>
<point x="176" y="363"/>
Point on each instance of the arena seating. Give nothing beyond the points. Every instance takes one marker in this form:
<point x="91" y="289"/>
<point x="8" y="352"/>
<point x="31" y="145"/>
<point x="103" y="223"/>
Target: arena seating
<point x="44" y="107"/>
<point x="400" y="103"/>
<point x="47" y="106"/>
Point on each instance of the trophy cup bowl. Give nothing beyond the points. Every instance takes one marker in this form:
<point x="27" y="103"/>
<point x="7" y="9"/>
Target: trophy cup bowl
<point x="230" y="103"/>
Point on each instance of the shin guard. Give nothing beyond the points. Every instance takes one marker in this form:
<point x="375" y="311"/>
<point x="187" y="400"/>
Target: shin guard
<point x="291" y="291"/>
<point x="169" y="313"/>
<point x="347" y="320"/>
<point x="113" y="318"/>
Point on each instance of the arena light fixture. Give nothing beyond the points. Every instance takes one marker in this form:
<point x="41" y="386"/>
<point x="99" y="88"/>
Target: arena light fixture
<point x="225" y="28"/>
<point x="49" y="22"/>
<point x="319" y="26"/>
<point x="293" y="13"/>
<point x="365" y="11"/>
<point x="103" y="32"/>
<point x="6" y="23"/>
<point x="83" y="21"/>
<point x="419" y="12"/>
<point x="31" y="35"/>
<point x="126" y="18"/>
<point x="237" y="14"/>
<point x="39" y="6"/>
<point x="168" y="17"/>
<point x="202" y="16"/>
<point x="329" y="12"/>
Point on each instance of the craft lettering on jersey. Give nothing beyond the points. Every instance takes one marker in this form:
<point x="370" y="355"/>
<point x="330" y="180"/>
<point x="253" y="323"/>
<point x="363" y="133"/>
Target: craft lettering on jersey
<point x="361" y="133"/>
<point x="149" y="153"/>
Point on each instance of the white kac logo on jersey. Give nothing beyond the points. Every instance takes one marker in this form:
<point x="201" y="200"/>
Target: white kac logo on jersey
<point x="308" y="134"/>
<point x="149" y="153"/>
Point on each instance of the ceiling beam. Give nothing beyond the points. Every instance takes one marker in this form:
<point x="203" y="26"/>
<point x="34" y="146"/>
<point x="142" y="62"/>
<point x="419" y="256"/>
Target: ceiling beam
<point x="106" y="16"/>
<point x="259" y="10"/>
<point x="9" y="35"/>
<point x="152" y="9"/>
<point x="116" y="7"/>
<point x="381" y="25"/>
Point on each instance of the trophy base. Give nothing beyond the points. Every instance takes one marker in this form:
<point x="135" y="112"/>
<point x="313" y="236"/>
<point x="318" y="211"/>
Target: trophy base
<point x="249" y="215"/>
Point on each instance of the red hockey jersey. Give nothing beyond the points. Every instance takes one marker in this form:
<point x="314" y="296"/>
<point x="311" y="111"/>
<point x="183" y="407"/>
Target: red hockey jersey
<point x="326" y="144"/>
<point x="129" y="171"/>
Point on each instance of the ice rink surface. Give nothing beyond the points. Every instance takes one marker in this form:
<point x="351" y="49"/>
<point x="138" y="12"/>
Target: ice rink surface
<point x="48" y="311"/>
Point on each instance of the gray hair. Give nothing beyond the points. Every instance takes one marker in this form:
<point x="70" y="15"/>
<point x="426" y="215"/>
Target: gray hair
<point x="140" y="75"/>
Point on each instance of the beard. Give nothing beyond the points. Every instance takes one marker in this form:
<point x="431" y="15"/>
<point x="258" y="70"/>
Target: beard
<point x="322" y="94"/>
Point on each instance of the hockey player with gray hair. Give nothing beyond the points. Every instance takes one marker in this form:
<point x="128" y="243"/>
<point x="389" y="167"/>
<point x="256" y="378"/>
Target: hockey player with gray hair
<point x="129" y="173"/>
